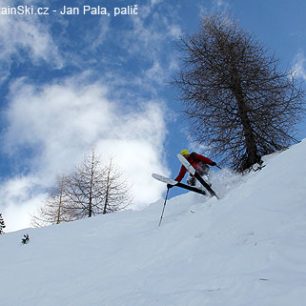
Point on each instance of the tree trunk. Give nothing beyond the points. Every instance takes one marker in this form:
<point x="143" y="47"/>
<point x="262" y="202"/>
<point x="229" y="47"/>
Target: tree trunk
<point x="252" y="156"/>
<point x="107" y="191"/>
<point x="90" y="208"/>
<point x="60" y="203"/>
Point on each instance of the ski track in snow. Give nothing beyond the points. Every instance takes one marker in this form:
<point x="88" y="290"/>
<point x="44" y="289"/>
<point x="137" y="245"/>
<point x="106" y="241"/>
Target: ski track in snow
<point x="246" y="249"/>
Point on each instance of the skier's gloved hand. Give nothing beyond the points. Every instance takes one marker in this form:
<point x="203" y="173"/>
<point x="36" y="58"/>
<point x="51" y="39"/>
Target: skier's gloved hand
<point x="169" y="186"/>
<point x="215" y="164"/>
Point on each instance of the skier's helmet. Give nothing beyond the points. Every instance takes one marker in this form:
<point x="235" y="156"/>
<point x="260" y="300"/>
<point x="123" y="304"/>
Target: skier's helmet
<point x="184" y="152"/>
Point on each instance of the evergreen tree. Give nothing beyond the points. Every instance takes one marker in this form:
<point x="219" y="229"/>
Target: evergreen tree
<point x="2" y="225"/>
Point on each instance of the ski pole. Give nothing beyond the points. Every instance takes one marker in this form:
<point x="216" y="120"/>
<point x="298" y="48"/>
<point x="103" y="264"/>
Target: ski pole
<point x="161" y="217"/>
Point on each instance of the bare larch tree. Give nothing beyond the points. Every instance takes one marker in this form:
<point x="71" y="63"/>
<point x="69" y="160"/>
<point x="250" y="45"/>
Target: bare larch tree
<point x="85" y="188"/>
<point x="96" y="189"/>
<point x="115" y="191"/>
<point x="91" y="189"/>
<point x="55" y="209"/>
<point x="240" y="105"/>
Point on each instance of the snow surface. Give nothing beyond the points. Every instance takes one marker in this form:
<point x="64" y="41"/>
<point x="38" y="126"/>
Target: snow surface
<point x="247" y="249"/>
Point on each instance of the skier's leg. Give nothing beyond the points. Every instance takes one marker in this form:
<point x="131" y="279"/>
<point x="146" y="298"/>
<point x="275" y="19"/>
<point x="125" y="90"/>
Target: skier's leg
<point x="204" y="172"/>
<point x="191" y="181"/>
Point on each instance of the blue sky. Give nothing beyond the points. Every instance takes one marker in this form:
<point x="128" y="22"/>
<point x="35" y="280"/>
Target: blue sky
<point x="71" y="83"/>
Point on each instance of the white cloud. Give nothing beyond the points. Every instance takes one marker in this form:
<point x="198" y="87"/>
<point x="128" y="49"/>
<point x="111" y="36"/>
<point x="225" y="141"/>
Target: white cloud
<point x="20" y="199"/>
<point x="98" y="39"/>
<point x="298" y="69"/>
<point x="25" y="33"/>
<point x="220" y="3"/>
<point x="62" y="121"/>
<point x="150" y="37"/>
<point x="220" y="7"/>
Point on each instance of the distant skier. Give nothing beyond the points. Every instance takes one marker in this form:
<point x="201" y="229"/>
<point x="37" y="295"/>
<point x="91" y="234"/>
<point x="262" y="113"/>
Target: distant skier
<point x="199" y="162"/>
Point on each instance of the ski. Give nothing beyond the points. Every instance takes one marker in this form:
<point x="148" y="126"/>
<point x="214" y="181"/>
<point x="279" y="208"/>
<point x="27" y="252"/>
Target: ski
<point x="193" y="172"/>
<point x="177" y="184"/>
<point x="164" y="179"/>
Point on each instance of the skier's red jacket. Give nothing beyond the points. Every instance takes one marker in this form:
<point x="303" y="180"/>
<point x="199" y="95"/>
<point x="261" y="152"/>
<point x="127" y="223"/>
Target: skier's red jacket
<point x="195" y="160"/>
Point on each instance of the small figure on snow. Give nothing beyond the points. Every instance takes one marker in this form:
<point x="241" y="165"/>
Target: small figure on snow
<point x="200" y="164"/>
<point x="25" y="239"/>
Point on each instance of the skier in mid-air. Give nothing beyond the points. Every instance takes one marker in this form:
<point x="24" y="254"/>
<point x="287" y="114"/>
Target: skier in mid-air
<point x="200" y="164"/>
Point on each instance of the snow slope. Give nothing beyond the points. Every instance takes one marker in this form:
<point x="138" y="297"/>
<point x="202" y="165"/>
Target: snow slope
<point x="247" y="249"/>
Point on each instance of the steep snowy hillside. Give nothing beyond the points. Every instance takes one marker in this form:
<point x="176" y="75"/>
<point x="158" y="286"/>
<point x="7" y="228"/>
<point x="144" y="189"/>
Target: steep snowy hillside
<point x="247" y="249"/>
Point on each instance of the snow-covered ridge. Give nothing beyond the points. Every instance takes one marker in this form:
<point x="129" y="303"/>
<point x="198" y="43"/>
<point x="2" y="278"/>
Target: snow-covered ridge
<point x="248" y="249"/>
